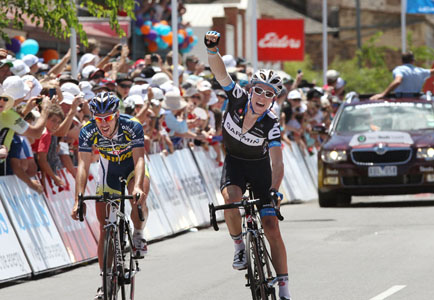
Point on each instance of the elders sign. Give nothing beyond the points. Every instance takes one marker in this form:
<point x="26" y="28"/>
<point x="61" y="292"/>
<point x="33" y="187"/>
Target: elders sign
<point x="280" y="40"/>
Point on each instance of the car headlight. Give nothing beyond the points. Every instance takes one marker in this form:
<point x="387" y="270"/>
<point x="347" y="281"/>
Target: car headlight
<point x="425" y="153"/>
<point x="334" y="156"/>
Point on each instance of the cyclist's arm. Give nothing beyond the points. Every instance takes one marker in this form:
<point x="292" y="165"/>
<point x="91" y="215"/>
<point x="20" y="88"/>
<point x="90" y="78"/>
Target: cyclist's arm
<point x="84" y="160"/>
<point x="277" y="167"/>
<point x="139" y="167"/>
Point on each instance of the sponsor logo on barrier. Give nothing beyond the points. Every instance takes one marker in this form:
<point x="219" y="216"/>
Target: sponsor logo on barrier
<point x="3" y="225"/>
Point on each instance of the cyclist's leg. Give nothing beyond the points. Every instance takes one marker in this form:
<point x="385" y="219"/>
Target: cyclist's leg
<point x="100" y="208"/>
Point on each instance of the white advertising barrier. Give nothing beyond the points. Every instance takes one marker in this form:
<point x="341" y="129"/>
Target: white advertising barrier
<point x="34" y="225"/>
<point x="179" y="213"/>
<point x="13" y="262"/>
<point x="311" y="161"/>
<point x="182" y="165"/>
<point x="76" y="235"/>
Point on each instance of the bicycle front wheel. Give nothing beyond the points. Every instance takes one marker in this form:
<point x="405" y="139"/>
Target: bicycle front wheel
<point x="255" y="269"/>
<point x="130" y="270"/>
<point x="268" y="267"/>
<point x="110" y="274"/>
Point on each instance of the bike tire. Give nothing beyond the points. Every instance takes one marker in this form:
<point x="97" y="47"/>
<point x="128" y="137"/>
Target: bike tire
<point x="268" y="272"/>
<point x="110" y="276"/>
<point x="255" y="269"/>
<point x="130" y="272"/>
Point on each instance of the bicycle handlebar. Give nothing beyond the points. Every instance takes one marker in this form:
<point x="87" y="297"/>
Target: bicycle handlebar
<point x="82" y="198"/>
<point x="242" y="203"/>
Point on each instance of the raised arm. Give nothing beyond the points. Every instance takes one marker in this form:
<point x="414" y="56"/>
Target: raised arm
<point x="215" y="61"/>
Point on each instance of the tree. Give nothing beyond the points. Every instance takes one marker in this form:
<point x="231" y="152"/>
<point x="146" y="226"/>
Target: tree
<point x="57" y="17"/>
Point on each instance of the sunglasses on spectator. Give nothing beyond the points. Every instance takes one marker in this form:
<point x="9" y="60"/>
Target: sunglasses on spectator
<point x="98" y="76"/>
<point x="125" y="86"/>
<point x="195" y="97"/>
<point x="5" y="99"/>
<point x="259" y="91"/>
<point x="106" y="118"/>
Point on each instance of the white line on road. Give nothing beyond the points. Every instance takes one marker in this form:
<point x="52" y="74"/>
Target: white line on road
<point x="389" y="292"/>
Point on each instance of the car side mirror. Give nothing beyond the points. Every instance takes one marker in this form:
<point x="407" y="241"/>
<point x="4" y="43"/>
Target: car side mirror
<point x="320" y="128"/>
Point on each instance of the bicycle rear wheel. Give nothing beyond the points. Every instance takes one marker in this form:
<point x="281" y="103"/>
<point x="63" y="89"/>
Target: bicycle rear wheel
<point x="255" y="269"/>
<point x="110" y="274"/>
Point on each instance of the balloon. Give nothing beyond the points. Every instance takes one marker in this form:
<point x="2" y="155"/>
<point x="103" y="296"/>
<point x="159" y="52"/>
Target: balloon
<point x="183" y="32"/>
<point x="29" y="46"/>
<point x="161" y="44"/>
<point x="168" y="38"/>
<point x="163" y="29"/>
<point x="138" y="31"/>
<point x="49" y="55"/>
<point x="184" y="50"/>
<point x="164" y="22"/>
<point x="152" y="47"/>
<point x="180" y="38"/>
<point x="148" y="23"/>
<point x="139" y="21"/>
<point x="145" y="29"/>
<point x="195" y="39"/>
<point x="20" y="38"/>
<point x="14" y="46"/>
<point x="189" y="31"/>
<point x="19" y="55"/>
<point x="152" y="35"/>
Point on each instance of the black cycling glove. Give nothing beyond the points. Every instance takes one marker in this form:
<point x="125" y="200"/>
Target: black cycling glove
<point x="209" y="43"/>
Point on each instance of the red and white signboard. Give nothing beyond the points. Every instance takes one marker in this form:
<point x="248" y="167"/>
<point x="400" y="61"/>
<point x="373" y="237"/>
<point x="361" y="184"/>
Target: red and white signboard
<point x="280" y="39"/>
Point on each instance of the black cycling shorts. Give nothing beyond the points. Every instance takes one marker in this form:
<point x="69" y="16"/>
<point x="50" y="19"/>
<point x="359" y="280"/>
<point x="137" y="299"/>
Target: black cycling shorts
<point x="257" y="172"/>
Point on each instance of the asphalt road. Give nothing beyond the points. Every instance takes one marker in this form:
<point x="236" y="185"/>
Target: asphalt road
<point x="379" y="248"/>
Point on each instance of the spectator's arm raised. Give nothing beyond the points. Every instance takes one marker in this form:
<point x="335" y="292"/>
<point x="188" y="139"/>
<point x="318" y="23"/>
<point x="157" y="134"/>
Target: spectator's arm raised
<point x="111" y="54"/>
<point x="66" y="123"/>
<point x="35" y="131"/>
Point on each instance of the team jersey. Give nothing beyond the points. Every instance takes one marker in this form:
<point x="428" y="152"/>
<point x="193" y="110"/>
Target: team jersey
<point x="255" y="143"/>
<point x="117" y="149"/>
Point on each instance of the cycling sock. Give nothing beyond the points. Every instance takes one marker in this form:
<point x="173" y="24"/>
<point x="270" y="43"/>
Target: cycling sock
<point x="238" y="242"/>
<point x="138" y="232"/>
<point x="282" y="280"/>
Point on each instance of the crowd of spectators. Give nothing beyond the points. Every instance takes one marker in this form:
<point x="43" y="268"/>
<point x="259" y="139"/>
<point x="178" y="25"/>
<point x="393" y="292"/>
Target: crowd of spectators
<point x="42" y="112"/>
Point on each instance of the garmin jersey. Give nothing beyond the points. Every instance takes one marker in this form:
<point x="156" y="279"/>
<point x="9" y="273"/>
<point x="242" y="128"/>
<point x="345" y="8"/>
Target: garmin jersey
<point x="117" y="149"/>
<point x="255" y="143"/>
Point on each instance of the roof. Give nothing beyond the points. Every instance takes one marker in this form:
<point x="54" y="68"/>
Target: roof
<point x="200" y="15"/>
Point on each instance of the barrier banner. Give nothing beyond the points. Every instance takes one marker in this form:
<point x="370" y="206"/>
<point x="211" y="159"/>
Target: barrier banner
<point x="180" y="214"/>
<point x="13" y="262"/>
<point x="182" y="165"/>
<point x="311" y="161"/>
<point x="76" y="235"/>
<point x="309" y="190"/>
<point x="33" y="225"/>
<point x="292" y="174"/>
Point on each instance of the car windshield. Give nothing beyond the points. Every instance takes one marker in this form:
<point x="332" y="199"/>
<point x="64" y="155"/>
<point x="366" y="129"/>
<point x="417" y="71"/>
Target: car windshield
<point x="386" y="116"/>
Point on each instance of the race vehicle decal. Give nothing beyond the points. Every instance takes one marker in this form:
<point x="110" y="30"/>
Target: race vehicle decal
<point x="375" y="137"/>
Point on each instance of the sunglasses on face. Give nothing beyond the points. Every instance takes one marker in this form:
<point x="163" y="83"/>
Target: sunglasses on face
<point x="125" y="86"/>
<point x="195" y="97"/>
<point x="99" y="76"/>
<point x="106" y="118"/>
<point x="259" y="91"/>
<point x="5" y="99"/>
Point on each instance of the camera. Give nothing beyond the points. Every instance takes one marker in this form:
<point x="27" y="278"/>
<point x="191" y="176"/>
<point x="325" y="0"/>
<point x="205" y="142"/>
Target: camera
<point x="154" y="58"/>
<point x="52" y="92"/>
<point x="38" y="100"/>
<point x="119" y="48"/>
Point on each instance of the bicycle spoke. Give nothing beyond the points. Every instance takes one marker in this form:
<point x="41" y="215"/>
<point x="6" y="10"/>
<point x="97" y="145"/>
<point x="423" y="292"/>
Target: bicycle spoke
<point x="110" y="278"/>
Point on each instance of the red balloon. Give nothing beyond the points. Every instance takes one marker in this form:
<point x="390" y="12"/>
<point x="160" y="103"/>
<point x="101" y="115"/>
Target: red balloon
<point x="152" y="47"/>
<point x="49" y="55"/>
<point x="145" y="29"/>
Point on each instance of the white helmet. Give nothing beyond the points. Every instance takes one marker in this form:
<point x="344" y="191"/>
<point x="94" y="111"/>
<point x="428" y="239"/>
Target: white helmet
<point x="332" y="75"/>
<point x="270" y="78"/>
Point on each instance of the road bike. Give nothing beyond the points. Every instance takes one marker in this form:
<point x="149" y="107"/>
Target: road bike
<point x="259" y="275"/>
<point x="120" y="265"/>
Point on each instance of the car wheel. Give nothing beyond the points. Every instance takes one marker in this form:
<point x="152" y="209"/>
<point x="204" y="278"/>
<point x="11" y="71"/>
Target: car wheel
<point x="327" y="199"/>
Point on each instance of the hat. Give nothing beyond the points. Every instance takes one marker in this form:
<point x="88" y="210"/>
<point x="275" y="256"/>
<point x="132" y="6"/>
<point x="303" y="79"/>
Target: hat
<point x="138" y="62"/>
<point x="15" y="87"/>
<point x="6" y="61"/>
<point x="173" y="101"/>
<point x="30" y="60"/>
<point x="70" y="88"/>
<point x="139" y="79"/>
<point x="68" y="98"/>
<point x="86" y="88"/>
<point x="168" y="86"/>
<point x="87" y="71"/>
<point x="158" y="93"/>
<point x="122" y="77"/>
<point x="221" y="93"/>
<point x="294" y="94"/>
<point x="20" y="68"/>
<point x="85" y="59"/>
<point x="147" y="73"/>
<point x="133" y="100"/>
<point x="229" y="61"/>
<point x="200" y="113"/>
<point x="301" y="109"/>
<point x="340" y="83"/>
<point x="213" y="99"/>
<point x="160" y="78"/>
<point x="204" y="86"/>
<point x="140" y="90"/>
<point x="37" y="87"/>
<point x="332" y="75"/>
<point x="191" y="57"/>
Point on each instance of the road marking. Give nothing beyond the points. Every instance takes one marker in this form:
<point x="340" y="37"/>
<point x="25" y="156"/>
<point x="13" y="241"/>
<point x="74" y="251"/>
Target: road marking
<point x="389" y="292"/>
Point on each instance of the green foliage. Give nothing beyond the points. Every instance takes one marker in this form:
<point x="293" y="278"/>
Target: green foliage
<point x="57" y="17"/>
<point x="306" y="66"/>
<point x="424" y="55"/>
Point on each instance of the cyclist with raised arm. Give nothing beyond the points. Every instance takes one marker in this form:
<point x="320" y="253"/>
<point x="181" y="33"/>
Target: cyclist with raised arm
<point x="120" y="141"/>
<point x="251" y="135"/>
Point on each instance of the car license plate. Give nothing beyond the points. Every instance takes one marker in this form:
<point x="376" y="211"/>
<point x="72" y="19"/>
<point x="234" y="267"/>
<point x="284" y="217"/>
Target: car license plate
<point x="384" y="171"/>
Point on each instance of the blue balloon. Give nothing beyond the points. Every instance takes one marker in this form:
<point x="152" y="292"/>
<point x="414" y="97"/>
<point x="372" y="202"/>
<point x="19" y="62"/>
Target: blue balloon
<point x="161" y="44"/>
<point x="29" y="46"/>
<point x="163" y="29"/>
<point x="138" y="31"/>
<point x="194" y="40"/>
<point x="19" y="55"/>
<point x="180" y="38"/>
<point x="148" y="23"/>
<point x="184" y="50"/>
<point x="189" y="31"/>
<point x="139" y="21"/>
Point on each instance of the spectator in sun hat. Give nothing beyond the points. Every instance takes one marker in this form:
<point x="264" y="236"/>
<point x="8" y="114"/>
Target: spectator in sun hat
<point x="190" y="63"/>
<point x="123" y="86"/>
<point x="160" y="78"/>
<point x="86" y="88"/>
<point x="205" y="89"/>
<point x="70" y="88"/>
<point x="15" y="87"/>
<point x="85" y="60"/>
<point x="20" y="68"/>
<point x="67" y="77"/>
<point x="32" y="62"/>
<point x="5" y="69"/>
<point x="34" y="84"/>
